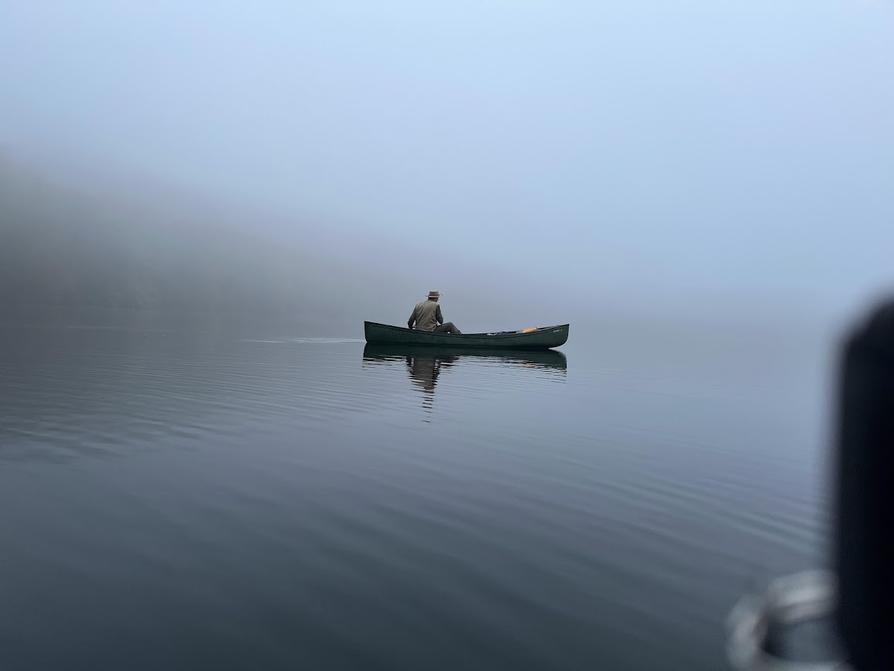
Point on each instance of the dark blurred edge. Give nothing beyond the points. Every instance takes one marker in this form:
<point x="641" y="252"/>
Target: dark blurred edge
<point x="865" y="519"/>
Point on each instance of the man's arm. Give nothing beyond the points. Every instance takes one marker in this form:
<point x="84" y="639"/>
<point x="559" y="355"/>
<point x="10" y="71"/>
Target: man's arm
<point x="412" y="319"/>
<point x="438" y="315"/>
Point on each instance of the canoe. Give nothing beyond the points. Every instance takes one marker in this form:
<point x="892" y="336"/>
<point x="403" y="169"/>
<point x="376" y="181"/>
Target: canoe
<point x="541" y="338"/>
<point x="545" y="358"/>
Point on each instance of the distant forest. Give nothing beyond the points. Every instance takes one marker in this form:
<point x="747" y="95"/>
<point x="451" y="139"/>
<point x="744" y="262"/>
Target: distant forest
<point x="67" y="249"/>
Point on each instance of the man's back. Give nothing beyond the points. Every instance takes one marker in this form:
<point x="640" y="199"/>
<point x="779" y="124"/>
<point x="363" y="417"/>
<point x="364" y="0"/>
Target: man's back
<point x="427" y="315"/>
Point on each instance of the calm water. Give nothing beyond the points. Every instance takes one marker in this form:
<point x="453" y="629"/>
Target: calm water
<point x="183" y="501"/>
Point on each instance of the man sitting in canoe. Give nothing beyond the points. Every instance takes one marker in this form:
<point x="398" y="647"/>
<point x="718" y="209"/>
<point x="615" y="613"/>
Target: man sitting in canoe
<point x="427" y="316"/>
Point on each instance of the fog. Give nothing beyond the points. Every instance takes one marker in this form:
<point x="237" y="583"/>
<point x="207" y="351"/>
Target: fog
<point x="311" y="165"/>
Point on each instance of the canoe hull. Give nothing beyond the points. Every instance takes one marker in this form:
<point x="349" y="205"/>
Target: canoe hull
<point x="542" y="338"/>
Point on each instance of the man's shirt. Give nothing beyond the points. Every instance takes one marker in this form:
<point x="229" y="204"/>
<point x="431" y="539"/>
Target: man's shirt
<point x="427" y="315"/>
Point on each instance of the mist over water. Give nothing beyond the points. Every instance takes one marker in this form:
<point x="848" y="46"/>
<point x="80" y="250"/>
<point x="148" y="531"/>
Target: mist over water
<point x="202" y="466"/>
<point x="331" y="162"/>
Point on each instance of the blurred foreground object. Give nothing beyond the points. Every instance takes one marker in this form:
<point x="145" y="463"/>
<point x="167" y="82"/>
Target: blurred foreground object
<point x="858" y="599"/>
<point x="762" y="627"/>
<point x="864" y="557"/>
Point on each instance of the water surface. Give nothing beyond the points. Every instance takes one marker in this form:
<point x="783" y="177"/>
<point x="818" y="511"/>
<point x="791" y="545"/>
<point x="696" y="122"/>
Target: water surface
<point x="187" y="500"/>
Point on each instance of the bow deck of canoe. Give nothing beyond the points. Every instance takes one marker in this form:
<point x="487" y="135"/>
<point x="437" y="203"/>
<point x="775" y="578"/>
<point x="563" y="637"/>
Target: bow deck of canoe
<point x="541" y="338"/>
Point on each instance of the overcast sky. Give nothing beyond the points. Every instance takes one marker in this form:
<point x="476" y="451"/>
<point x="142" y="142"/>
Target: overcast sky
<point x="641" y="153"/>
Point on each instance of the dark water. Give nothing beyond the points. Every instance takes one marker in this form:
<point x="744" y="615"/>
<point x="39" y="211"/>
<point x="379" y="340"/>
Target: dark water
<point x="183" y="501"/>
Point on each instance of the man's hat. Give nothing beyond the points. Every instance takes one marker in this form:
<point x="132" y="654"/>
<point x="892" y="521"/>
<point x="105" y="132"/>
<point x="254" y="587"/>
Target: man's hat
<point x="434" y="294"/>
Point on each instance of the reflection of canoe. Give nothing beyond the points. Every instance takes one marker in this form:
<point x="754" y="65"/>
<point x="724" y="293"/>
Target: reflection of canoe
<point x="541" y="338"/>
<point x="538" y="358"/>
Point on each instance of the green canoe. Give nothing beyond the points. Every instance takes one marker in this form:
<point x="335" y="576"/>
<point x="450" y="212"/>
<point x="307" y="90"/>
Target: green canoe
<point x="541" y="338"/>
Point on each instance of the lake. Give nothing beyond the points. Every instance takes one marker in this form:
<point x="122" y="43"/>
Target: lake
<point x="189" y="500"/>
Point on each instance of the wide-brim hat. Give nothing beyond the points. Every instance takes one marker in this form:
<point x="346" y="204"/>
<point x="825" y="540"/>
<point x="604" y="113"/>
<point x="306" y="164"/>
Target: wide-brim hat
<point x="434" y="294"/>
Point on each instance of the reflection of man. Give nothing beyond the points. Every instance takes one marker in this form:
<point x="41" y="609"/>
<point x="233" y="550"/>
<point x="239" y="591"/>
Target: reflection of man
<point x="427" y="316"/>
<point x="424" y="371"/>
